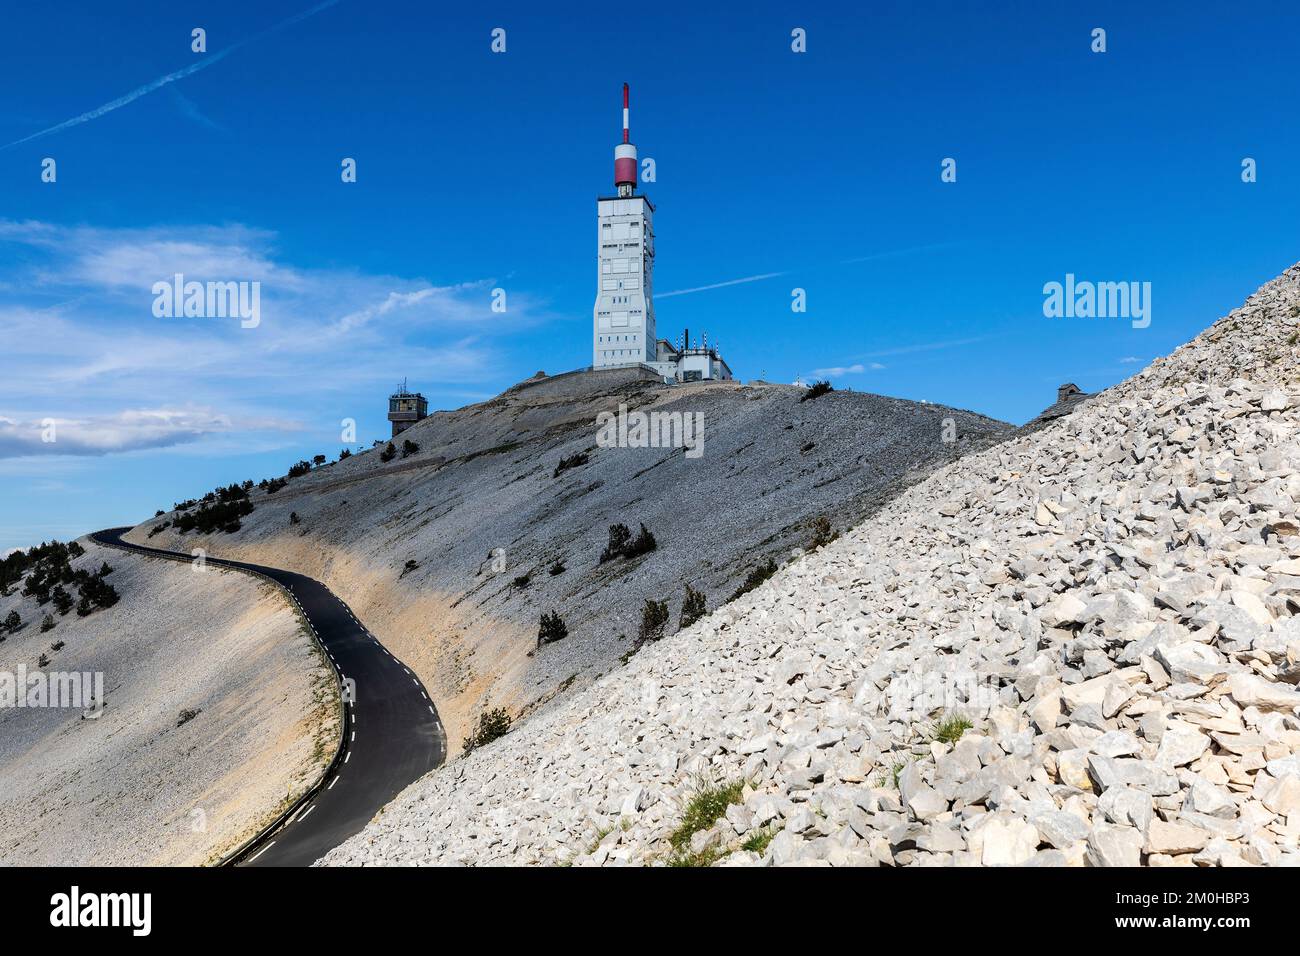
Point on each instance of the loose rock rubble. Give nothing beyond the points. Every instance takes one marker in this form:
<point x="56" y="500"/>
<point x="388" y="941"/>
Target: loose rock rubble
<point x="1110" y="603"/>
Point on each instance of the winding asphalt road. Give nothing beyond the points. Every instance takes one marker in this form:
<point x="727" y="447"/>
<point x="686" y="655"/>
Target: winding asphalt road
<point x="391" y="731"/>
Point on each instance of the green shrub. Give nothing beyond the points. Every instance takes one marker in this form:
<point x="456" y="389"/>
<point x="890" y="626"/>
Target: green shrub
<point x="47" y="623"/>
<point x="557" y="568"/>
<point x="389" y="452"/>
<point x="492" y="724"/>
<point x="817" y="390"/>
<point x="756" y="577"/>
<point x="654" y="617"/>
<point x="822" y="533"/>
<point x="694" y="607"/>
<point x="215" y="516"/>
<point x="409" y="448"/>
<point x="551" y="629"/>
<point x="572" y="461"/>
<point x="623" y="545"/>
<point x="62" y="600"/>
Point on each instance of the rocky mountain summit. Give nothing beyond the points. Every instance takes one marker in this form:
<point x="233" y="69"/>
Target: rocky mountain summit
<point x="1078" y="647"/>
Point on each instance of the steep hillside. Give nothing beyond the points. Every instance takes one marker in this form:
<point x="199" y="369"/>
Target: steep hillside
<point x="1078" y="647"/>
<point x="216" y="704"/>
<point x="497" y="537"/>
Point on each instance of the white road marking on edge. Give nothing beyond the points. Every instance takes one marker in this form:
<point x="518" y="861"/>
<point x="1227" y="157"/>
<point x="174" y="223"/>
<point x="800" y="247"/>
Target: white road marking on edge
<point x="348" y="757"/>
<point x="308" y="813"/>
<point x="261" y="851"/>
<point x="332" y="782"/>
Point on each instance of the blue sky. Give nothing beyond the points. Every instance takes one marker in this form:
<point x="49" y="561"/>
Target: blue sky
<point x="478" y="171"/>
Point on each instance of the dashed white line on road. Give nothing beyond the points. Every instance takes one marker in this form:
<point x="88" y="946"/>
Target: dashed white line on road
<point x="431" y="708"/>
<point x="332" y="782"/>
<point x="348" y="757"/>
<point x="261" y="851"/>
<point x="354" y="735"/>
<point x="308" y="813"/>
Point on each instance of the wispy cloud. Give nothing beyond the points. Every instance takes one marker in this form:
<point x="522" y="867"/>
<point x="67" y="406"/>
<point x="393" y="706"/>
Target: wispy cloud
<point x="79" y="334"/>
<point x="871" y="257"/>
<point x="128" y="430"/>
<point x="839" y="371"/>
<point x="209" y="59"/>
<point x="190" y="110"/>
<point x="925" y="347"/>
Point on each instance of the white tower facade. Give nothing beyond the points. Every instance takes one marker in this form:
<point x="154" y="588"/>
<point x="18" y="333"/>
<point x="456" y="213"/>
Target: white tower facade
<point x="623" y="320"/>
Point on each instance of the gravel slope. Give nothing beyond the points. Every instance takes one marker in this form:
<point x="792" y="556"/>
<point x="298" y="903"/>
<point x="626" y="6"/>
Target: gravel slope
<point x="132" y="787"/>
<point x="1109" y="602"/>
<point x="483" y="486"/>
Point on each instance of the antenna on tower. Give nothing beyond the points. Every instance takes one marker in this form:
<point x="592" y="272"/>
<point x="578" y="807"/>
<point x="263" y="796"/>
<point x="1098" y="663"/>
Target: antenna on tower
<point x="625" y="127"/>
<point x="625" y="156"/>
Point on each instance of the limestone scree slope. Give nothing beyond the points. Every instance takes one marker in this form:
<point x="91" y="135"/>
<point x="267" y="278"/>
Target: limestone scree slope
<point x="496" y="535"/>
<point x="1110" y="603"/>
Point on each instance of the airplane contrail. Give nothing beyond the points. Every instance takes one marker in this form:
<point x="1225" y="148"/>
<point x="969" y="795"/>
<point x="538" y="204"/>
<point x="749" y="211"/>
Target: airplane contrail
<point x="180" y="74"/>
<point x="889" y="253"/>
<point x="720" y="285"/>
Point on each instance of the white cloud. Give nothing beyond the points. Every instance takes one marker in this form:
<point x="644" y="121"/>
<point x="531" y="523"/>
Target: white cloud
<point x="82" y="336"/>
<point x="1129" y="360"/>
<point x="839" y="371"/>
<point x="128" y="430"/>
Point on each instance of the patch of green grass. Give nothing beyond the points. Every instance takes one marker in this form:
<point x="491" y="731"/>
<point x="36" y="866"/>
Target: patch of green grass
<point x="890" y="776"/>
<point x="949" y="729"/>
<point x="705" y="809"/>
<point x="624" y="824"/>
<point x="706" y="857"/>
<point x="757" y="841"/>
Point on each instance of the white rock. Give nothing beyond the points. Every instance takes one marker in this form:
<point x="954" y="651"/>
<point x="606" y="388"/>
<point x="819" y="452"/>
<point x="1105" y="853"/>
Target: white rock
<point x="1008" y="841"/>
<point x="1173" y="838"/>
<point x="1110" y="845"/>
<point x="1249" y="690"/>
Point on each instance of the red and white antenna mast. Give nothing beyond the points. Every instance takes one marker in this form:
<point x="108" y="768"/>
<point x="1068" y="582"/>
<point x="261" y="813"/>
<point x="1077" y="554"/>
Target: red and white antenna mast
<point x="625" y="156"/>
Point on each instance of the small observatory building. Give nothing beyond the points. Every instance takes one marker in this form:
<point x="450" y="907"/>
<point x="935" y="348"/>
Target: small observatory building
<point x="405" y="408"/>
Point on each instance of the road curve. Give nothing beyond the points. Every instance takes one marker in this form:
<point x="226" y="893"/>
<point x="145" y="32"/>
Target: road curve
<point x="391" y="731"/>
